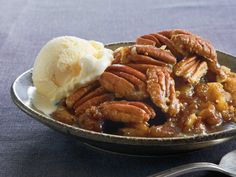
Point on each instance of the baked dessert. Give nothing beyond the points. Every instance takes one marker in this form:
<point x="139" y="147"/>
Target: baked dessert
<point x="167" y="84"/>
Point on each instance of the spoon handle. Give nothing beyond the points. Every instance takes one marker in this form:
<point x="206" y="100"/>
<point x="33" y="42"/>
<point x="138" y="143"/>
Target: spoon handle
<point x="191" y="167"/>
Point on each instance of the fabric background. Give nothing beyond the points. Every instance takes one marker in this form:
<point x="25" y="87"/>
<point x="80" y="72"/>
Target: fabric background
<point x="30" y="149"/>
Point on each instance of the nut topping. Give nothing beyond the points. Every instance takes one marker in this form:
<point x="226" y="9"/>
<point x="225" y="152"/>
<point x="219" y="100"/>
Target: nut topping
<point x="63" y="115"/>
<point x="191" y="95"/>
<point x="143" y="54"/>
<point x="127" y="112"/>
<point x="160" y="39"/>
<point x="170" y="33"/>
<point x="87" y="96"/>
<point x="95" y="101"/>
<point x="78" y="94"/>
<point x="191" y="69"/>
<point x="148" y="39"/>
<point x="189" y="44"/>
<point x="124" y="81"/>
<point x="192" y="44"/>
<point x="155" y="53"/>
<point x="182" y="43"/>
<point x="144" y="67"/>
<point x="161" y="88"/>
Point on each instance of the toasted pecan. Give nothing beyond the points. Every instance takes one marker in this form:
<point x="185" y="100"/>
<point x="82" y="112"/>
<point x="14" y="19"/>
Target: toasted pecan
<point x="79" y="93"/>
<point x="143" y="54"/>
<point x="63" y="115"/>
<point x="193" y="44"/>
<point x="161" y="87"/>
<point x="127" y="112"/>
<point x="124" y="81"/>
<point x="85" y="97"/>
<point x="191" y="68"/>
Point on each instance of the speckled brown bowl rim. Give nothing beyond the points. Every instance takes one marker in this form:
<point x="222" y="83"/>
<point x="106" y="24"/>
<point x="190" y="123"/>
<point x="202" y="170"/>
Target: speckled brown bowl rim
<point x="110" y="138"/>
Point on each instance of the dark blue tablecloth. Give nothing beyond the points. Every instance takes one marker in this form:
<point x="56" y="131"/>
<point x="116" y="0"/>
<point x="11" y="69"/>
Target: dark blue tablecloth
<point x="30" y="149"/>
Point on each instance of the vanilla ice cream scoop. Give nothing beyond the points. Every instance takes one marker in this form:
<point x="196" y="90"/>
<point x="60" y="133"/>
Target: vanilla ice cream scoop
<point x="68" y="62"/>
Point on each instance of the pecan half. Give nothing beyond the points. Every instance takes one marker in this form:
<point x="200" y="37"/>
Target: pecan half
<point x="124" y="81"/>
<point x="191" y="68"/>
<point x="144" y="67"/>
<point x="170" y="33"/>
<point x="148" y="39"/>
<point x="155" y="53"/>
<point x="87" y="96"/>
<point x="95" y="101"/>
<point x="78" y="94"/>
<point x="162" y="38"/>
<point x="143" y="54"/>
<point x="63" y="115"/>
<point x="170" y="45"/>
<point x="126" y="111"/>
<point x="161" y="87"/>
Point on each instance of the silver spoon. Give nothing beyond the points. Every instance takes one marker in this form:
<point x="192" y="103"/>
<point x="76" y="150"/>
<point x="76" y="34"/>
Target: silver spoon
<point x="227" y="166"/>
